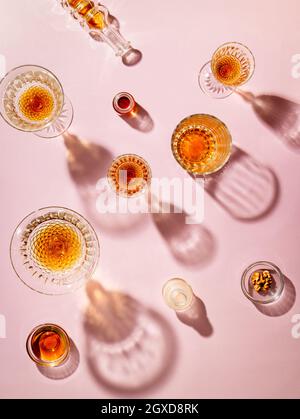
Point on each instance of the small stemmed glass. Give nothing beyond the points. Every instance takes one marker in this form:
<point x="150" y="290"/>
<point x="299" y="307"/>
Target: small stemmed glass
<point x="231" y="66"/>
<point x="33" y="100"/>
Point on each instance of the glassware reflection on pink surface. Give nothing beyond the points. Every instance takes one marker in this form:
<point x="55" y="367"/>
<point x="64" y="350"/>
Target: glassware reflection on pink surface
<point x="231" y="66"/>
<point x="48" y="345"/>
<point x="178" y="294"/>
<point x="54" y="250"/>
<point x="129" y="347"/>
<point x="95" y="18"/>
<point x="262" y="283"/>
<point x="129" y="175"/>
<point x="33" y="100"/>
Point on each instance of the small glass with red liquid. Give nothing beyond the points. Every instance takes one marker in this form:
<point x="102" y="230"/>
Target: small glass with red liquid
<point x="48" y="345"/>
<point x="124" y="104"/>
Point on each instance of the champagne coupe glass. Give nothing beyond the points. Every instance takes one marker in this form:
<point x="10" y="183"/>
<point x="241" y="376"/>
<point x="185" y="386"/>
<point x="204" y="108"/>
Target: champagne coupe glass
<point x="231" y="66"/>
<point x="201" y="144"/>
<point x="33" y="100"/>
<point x="129" y="175"/>
<point x="48" y="345"/>
<point x="54" y="250"/>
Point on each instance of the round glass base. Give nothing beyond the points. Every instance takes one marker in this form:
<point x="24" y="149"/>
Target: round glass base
<point x="211" y="86"/>
<point x="61" y="124"/>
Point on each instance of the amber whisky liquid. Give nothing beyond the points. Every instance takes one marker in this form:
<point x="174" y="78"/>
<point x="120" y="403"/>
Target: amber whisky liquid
<point x="129" y="174"/>
<point x="228" y="70"/>
<point x="56" y="247"/>
<point x="197" y="145"/>
<point x="88" y="9"/>
<point x="49" y="344"/>
<point x="36" y="103"/>
<point x="201" y="144"/>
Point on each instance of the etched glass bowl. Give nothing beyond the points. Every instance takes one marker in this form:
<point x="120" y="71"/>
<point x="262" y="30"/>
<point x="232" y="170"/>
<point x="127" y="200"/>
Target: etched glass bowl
<point x="54" y="250"/>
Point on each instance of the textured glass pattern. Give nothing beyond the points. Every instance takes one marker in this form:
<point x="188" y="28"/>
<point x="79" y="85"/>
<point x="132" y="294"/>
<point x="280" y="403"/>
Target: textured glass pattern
<point x="201" y="144"/>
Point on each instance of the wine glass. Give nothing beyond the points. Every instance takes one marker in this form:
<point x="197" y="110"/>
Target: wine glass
<point x="33" y="100"/>
<point x="129" y="175"/>
<point x="201" y="144"/>
<point x="54" y="250"/>
<point x="231" y="66"/>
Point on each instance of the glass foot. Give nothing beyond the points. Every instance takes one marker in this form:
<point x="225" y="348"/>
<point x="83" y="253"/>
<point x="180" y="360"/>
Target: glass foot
<point x="61" y="124"/>
<point x="211" y="86"/>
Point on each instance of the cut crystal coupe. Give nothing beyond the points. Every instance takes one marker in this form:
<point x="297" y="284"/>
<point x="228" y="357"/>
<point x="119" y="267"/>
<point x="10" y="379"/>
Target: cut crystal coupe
<point x="54" y="250"/>
<point x="231" y="66"/>
<point x="33" y="100"/>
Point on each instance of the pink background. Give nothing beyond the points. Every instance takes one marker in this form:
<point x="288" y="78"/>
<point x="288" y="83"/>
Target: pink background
<point x="249" y="354"/>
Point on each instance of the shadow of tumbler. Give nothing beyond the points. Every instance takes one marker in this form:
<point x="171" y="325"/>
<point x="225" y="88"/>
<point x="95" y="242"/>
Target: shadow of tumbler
<point x="245" y="188"/>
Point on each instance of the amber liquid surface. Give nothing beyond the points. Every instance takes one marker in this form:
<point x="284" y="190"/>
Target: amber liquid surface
<point x="36" y="103"/>
<point x="57" y="247"/>
<point x="197" y="145"/>
<point x="129" y="175"/>
<point x="49" y="345"/>
<point x="86" y="8"/>
<point x="228" y="69"/>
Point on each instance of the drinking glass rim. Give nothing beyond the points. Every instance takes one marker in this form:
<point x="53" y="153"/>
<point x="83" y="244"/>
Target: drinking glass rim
<point x="42" y="209"/>
<point x="281" y="278"/>
<point x="47" y="363"/>
<point x="230" y="145"/>
<point x="244" y="46"/>
<point x="163" y="291"/>
<point x="48" y="71"/>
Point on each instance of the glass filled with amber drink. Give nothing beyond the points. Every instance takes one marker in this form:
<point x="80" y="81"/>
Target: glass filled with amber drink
<point x="54" y="250"/>
<point x="48" y="345"/>
<point x="201" y="144"/>
<point x="129" y="175"/>
<point x="231" y="66"/>
<point x="33" y="100"/>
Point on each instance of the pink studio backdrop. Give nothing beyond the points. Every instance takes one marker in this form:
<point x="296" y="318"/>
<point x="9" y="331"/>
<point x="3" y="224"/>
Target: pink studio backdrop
<point x="249" y="354"/>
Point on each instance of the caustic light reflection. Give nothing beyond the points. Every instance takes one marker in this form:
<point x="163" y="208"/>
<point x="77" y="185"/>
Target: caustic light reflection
<point x="129" y="347"/>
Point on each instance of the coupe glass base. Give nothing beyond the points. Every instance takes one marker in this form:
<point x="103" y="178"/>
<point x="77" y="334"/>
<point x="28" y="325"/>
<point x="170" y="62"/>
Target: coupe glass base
<point x="211" y="86"/>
